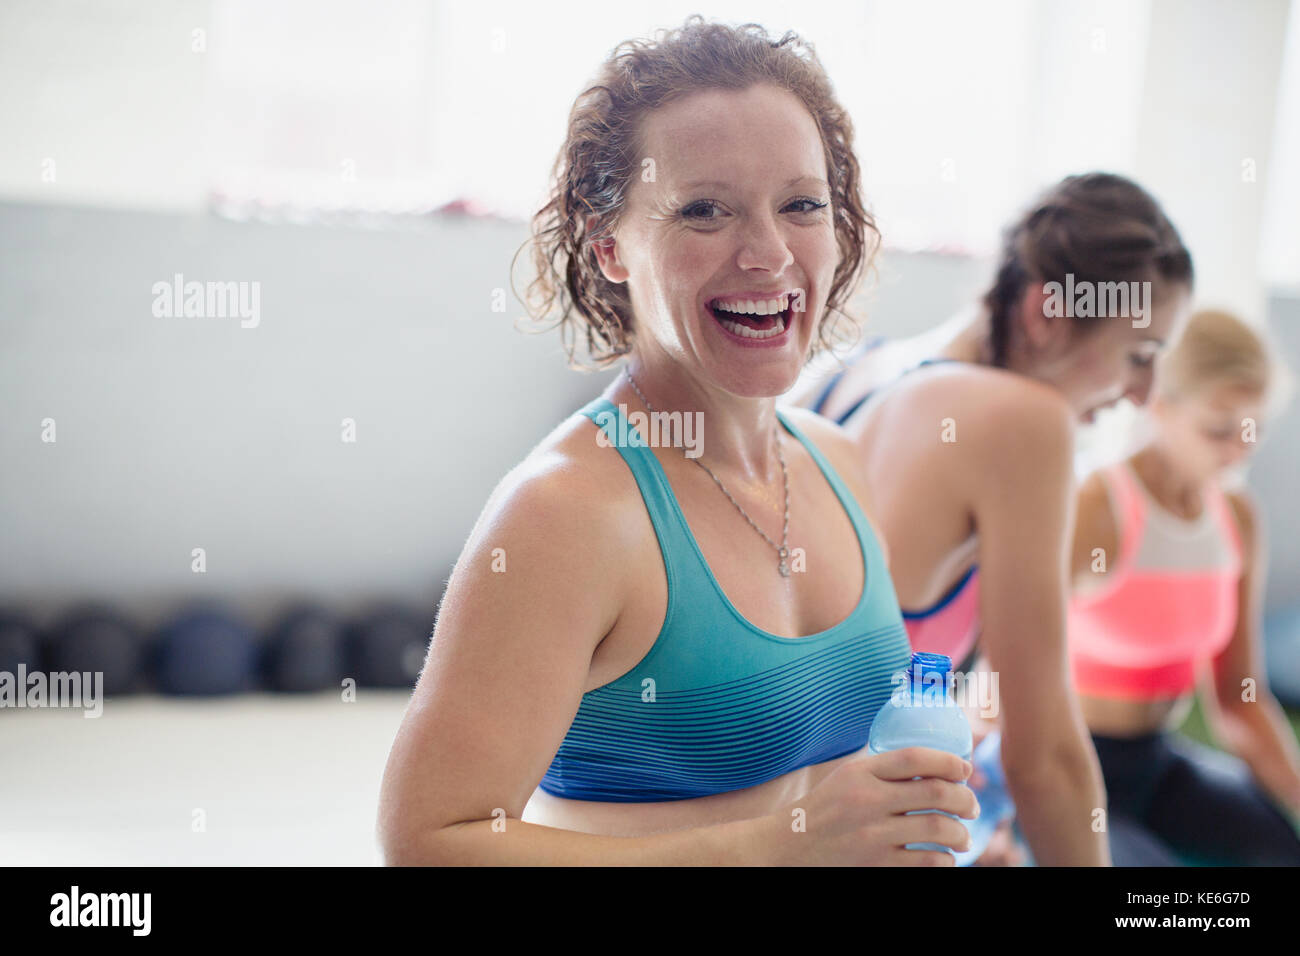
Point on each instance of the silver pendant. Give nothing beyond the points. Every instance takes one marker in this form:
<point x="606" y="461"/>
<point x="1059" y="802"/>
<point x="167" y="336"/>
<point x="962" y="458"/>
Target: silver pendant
<point x="783" y="568"/>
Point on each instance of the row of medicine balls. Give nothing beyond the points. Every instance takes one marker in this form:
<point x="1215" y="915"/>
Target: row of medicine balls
<point x="208" y="651"/>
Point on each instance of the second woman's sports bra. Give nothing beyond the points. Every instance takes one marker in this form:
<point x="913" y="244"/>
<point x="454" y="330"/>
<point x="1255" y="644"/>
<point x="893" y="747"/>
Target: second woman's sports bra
<point x="951" y="625"/>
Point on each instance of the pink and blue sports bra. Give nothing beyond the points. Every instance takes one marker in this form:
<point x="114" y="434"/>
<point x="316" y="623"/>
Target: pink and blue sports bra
<point x="951" y="625"/>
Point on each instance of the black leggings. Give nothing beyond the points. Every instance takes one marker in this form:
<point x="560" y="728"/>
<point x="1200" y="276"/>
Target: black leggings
<point x="1174" y="802"/>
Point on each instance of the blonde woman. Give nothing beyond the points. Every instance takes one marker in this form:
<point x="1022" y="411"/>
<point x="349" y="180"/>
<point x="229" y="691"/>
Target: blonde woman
<point x="1169" y="570"/>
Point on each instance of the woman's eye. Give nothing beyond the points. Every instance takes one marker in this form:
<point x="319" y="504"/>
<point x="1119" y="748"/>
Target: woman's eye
<point x="1221" y="431"/>
<point x="812" y="205"/>
<point x="1142" y="361"/>
<point x="696" y="210"/>
<point x="700" y="210"/>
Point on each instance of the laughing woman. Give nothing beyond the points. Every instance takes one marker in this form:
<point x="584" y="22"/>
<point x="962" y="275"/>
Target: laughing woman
<point x="648" y="655"/>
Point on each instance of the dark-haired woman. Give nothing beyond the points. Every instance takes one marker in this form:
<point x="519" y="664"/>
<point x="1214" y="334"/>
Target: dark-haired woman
<point x="672" y="651"/>
<point x="966" y="434"/>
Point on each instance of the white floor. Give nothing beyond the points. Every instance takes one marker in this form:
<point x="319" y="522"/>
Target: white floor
<point x="280" y="780"/>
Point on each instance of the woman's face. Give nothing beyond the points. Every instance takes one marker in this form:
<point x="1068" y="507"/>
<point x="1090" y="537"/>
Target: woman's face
<point x="1210" y="431"/>
<point x="732" y="208"/>
<point x="1095" y="368"/>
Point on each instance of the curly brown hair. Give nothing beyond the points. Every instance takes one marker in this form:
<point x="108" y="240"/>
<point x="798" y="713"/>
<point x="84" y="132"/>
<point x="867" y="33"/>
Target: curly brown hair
<point x="594" y="168"/>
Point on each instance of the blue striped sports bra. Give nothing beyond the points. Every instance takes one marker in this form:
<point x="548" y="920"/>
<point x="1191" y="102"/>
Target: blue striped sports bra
<point x="718" y="704"/>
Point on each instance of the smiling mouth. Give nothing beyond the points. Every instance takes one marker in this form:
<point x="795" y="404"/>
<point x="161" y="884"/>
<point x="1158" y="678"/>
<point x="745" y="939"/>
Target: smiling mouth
<point x="751" y="325"/>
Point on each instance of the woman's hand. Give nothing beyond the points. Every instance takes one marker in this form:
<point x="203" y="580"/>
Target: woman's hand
<point x="857" y="815"/>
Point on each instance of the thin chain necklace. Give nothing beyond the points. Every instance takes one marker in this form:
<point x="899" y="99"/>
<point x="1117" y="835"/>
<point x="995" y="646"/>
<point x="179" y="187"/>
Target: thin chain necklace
<point x="782" y="551"/>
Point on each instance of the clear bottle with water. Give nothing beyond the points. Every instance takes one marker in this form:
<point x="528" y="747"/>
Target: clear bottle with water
<point x="922" y="713"/>
<point x="996" y="804"/>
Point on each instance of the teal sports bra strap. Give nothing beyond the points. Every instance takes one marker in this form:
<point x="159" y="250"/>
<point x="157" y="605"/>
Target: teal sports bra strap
<point x="683" y="563"/>
<point x="665" y="515"/>
<point x="847" y="498"/>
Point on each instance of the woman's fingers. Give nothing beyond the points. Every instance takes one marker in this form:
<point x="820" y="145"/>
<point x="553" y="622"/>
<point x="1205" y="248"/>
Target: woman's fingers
<point x="910" y="762"/>
<point x="901" y="857"/>
<point x="932" y="793"/>
<point x="935" y="828"/>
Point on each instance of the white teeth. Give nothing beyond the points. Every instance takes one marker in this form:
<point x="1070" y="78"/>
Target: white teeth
<point x="746" y="332"/>
<point x="756" y="306"/>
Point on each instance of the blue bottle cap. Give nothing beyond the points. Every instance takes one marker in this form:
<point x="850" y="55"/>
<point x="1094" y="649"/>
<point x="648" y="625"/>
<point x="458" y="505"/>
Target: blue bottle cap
<point x="923" y="664"/>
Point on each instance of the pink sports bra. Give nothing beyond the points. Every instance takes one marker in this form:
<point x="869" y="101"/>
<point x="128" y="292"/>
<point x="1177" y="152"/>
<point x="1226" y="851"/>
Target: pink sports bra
<point x="1169" y="601"/>
<point x="951" y="626"/>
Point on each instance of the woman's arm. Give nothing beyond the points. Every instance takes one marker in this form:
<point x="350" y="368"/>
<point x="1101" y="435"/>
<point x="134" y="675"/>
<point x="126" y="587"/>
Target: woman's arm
<point x="1239" y="708"/>
<point x="505" y="673"/>
<point x="1017" y="467"/>
<point x="1095" y="548"/>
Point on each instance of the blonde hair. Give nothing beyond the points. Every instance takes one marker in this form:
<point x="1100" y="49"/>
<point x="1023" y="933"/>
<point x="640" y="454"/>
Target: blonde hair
<point x="1218" y="348"/>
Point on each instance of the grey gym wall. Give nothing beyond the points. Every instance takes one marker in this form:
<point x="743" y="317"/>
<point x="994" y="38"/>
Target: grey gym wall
<point x="181" y="433"/>
<point x="1274" y="472"/>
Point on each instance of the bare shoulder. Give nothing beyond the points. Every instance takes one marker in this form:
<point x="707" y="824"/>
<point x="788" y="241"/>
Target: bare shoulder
<point x="829" y="438"/>
<point x="569" y="486"/>
<point x="561" y="520"/>
<point x="1095" y="527"/>
<point x="1008" y="423"/>
<point x="544" y="574"/>
<point x="994" y="396"/>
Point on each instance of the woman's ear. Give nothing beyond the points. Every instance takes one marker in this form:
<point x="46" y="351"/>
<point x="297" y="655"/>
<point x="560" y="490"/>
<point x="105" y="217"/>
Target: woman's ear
<point x="607" y="257"/>
<point x="1040" y="318"/>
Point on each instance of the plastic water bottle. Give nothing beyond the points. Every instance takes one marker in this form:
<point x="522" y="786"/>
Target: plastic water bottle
<point x="996" y="804"/>
<point x="922" y="713"/>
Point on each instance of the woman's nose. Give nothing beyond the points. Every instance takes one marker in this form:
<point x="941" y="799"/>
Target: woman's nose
<point x="764" y="246"/>
<point x="1139" y="389"/>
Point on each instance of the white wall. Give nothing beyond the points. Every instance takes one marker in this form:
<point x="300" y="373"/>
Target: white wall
<point x="1281" y="253"/>
<point x="1206" y="134"/>
<point x="111" y="93"/>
